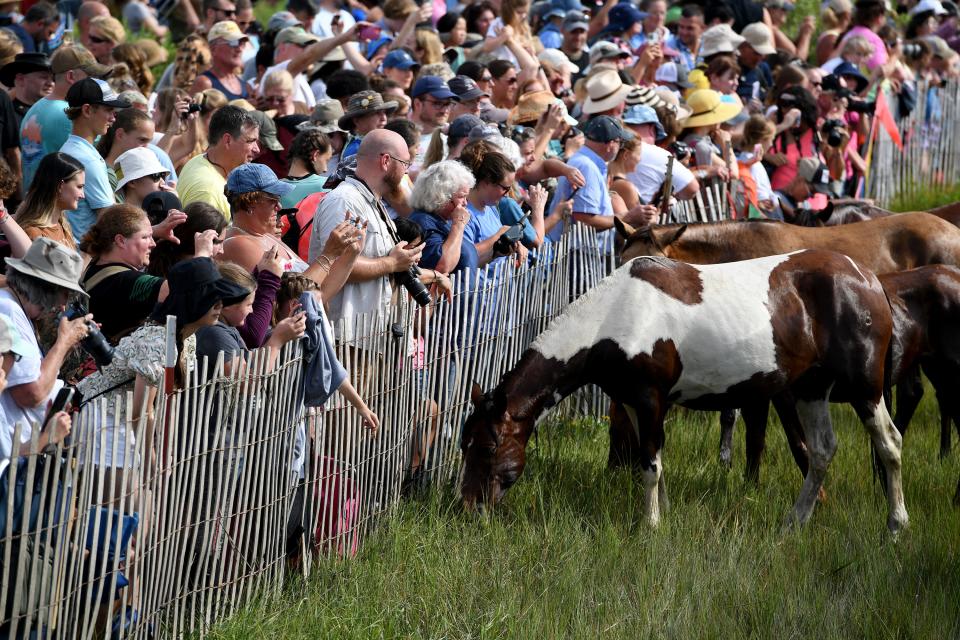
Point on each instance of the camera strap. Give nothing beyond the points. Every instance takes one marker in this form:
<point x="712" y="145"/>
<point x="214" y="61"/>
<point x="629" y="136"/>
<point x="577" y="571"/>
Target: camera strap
<point x="381" y="211"/>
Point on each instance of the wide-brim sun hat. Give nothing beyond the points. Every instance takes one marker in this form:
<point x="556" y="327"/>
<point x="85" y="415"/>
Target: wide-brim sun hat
<point x="530" y="106"/>
<point x="196" y="285"/>
<point x="605" y="91"/>
<point x="672" y="102"/>
<point x="363" y="103"/>
<point x="708" y="108"/>
<point x="720" y="38"/>
<point x="51" y="262"/>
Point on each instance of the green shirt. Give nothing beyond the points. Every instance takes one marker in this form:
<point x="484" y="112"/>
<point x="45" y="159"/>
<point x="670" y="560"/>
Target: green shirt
<point x="302" y="187"/>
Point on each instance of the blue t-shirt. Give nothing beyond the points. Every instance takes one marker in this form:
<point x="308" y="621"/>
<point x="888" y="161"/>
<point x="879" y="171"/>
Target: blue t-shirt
<point x="435" y="233"/>
<point x="593" y="197"/>
<point x="44" y="129"/>
<point x="550" y="36"/>
<point x="96" y="191"/>
<point x="29" y="44"/>
<point x="165" y="161"/>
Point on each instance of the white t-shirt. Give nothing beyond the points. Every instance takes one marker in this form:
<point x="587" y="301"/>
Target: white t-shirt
<point x="764" y="190"/>
<point x="652" y="169"/>
<point x="25" y="371"/>
<point x="323" y="20"/>
<point x="831" y="64"/>
<point x="502" y="52"/>
<point x="301" y="88"/>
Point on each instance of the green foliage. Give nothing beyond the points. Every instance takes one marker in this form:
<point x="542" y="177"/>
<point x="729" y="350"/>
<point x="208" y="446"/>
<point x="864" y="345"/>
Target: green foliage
<point x="926" y="200"/>
<point x="568" y="554"/>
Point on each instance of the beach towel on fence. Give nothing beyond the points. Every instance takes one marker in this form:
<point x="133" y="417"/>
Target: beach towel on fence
<point x="322" y="372"/>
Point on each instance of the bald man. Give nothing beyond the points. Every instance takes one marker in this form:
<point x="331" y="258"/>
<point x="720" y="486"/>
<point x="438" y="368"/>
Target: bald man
<point x="382" y="161"/>
<point x="87" y="12"/>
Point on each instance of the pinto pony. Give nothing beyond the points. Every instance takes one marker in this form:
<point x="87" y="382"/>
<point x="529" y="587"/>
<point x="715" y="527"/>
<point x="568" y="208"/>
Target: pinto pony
<point x="658" y="332"/>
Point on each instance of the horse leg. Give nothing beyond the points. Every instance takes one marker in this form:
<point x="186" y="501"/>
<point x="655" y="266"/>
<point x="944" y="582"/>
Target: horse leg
<point x="728" y="418"/>
<point x="786" y="408"/>
<point x="940" y="378"/>
<point x="623" y="439"/>
<point x="755" y="421"/>
<point x="647" y="421"/>
<point x="814" y="416"/>
<point x="888" y="444"/>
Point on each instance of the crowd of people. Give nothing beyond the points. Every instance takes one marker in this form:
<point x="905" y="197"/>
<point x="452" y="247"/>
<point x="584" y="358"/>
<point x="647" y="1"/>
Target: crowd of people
<point x="345" y="153"/>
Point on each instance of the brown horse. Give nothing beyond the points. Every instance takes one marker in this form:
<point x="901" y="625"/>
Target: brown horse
<point x="658" y="332"/>
<point x="883" y="245"/>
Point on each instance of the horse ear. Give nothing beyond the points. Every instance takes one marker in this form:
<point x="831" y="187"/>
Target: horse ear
<point x="671" y="235"/>
<point x="476" y="394"/>
<point x="623" y="229"/>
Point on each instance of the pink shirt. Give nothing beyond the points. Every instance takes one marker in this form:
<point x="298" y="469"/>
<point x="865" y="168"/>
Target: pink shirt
<point x="784" y="175"/>
<point x="879" y="56"/>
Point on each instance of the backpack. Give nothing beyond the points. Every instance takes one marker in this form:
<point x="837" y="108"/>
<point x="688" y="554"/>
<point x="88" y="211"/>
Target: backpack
<point x="298" y="225"/>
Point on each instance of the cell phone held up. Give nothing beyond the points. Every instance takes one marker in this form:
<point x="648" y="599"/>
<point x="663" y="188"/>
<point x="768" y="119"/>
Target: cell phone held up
<point x="369" y="33"/>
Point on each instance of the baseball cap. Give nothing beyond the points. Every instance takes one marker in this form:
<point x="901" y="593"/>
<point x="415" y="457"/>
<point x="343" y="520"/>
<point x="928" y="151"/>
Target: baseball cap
<point x="605" y="129"/>
<point x="226" y="30"/>
<point x="462" y="126"/>
<point x="281" y="20"/>
<point x="603" y="50"/>
<point x="928" y="5"/>
<point x="625" y="14"/>
<point x="435" y="86"/>
<point x="758" y="36"/>
<point x="268" y="130"/>
<point x="575" y="20"/>
<point x="557" y="59"/>
<point x="642" y="114"/>
<point x="673" y="73"/>
<point x="816" y="173"/>
<point x="256" y="177"/>
<point x="294" y="35"/>
<point x="786" y="5"/>
<point x="719" y="38"/>
<point x="399" y="59"/>
<point x="70" y="58"/>
<point x="94" y="91"/>
<point x="466" y="88"/>
<point x="136" y="163"/>
<point x="158" y="205"/>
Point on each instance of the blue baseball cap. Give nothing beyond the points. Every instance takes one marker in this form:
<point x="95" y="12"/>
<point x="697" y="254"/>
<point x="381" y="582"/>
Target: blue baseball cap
<point x="376" y="44"/>
<point x="644" y="114"/>
<point x="435" y="86"/>
<point x="399" y="59"/>
<point x="625" y="14"/>
<point x="849" y="70"/>
<point x="606" y="129"/>
<point x="256" y="177"/>
<point x="462" y="126"/>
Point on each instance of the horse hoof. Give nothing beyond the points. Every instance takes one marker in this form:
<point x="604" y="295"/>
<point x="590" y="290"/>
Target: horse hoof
<point x="726" y="458"/>
<point x="822" y="496"/>
<point x="897" y="525"/>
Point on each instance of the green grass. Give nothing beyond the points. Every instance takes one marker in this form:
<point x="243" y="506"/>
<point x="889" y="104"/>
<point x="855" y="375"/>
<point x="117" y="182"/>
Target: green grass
<point x="569" y="555"/>
<point x="927" y="200"/>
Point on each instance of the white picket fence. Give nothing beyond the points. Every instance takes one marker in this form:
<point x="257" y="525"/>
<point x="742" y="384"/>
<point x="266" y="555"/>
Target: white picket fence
<point x="199" y="526"/>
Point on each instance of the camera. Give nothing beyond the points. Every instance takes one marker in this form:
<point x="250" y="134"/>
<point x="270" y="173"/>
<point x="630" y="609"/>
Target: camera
<point x="95" y="343"/>
<point x="193" y="107"/>
<point x="410" y="279"/>
<point x="680" y="150"/>
<point x="912" y="50"/>
<point x="831" y="130"/>
<point x="504" y="244"/>
<point x="861" y="106"/>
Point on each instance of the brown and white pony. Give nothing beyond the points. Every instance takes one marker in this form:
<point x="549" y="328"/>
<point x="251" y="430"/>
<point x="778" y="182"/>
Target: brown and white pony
<point x="658" y="332"/>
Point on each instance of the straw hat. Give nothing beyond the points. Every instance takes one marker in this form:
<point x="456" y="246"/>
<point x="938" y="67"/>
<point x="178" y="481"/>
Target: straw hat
<point x="532" y="105"/>
<point x="605" y="91"/>
<point x="709" y="108"/>
<point x="362" y="103"/>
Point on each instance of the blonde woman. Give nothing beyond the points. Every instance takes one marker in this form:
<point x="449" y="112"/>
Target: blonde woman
<point x="834" y="19"/>
<point x="278" y="95"/>
<point x="136" y="60"/>
<point x="511" y="31"/>
<point x="428" y="48"/>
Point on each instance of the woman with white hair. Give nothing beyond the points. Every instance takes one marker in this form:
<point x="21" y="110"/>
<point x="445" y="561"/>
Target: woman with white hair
<point x="439" y="200"/>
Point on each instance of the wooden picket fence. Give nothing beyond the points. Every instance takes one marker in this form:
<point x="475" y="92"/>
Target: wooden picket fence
<point x="930" y="158"/>
<point x="179" y="539"/>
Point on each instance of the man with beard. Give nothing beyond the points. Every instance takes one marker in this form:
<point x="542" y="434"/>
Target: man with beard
<point x="432" y="102"/>
<point x="382" y="161"/>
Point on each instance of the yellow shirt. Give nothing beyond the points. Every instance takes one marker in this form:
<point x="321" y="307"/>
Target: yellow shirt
<point x="697" y="78"/>
<point x="200" y="181"/>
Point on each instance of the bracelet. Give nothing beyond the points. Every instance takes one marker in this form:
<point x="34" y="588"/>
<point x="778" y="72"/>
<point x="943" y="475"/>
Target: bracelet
<point x="328" y="262"/>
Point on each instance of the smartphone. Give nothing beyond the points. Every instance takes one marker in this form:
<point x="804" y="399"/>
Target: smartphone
<point x="370" y="33"/>
<point x="60" y="403"/>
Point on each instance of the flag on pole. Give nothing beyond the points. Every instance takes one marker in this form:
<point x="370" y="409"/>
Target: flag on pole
<point x="885" y="117"/>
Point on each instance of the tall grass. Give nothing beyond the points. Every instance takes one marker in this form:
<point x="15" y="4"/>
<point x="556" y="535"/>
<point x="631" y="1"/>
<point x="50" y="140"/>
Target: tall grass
<point x="568" y="554"/>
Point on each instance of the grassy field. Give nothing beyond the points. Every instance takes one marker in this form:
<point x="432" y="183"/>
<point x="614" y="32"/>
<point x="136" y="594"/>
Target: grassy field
<point x="568" y="554"/>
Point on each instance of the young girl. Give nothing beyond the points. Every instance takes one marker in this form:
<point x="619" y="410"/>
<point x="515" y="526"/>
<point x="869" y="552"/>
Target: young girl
<point x="511" y="30"/>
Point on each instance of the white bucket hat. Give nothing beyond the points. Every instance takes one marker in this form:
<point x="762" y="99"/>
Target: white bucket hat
<point x="136" y="163"/>
<point x="51" y="262"/>
<point x="719" y="39"/>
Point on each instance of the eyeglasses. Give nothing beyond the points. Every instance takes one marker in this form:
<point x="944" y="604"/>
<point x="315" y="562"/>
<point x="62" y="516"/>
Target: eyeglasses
<point x="233" y="44"/>
<point x="503" y="188"/>
<point x="440" y="104"/>
<point x="512" y="80"/>
<point x="406" y="163"/>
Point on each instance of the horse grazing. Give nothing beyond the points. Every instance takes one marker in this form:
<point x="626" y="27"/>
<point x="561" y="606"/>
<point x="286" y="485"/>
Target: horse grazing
<point x="658" y="332"/>
<point x="883" y="245"/>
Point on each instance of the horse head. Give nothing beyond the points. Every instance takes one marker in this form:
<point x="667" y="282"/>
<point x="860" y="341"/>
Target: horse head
<point x="494" y="450"/>
<point x="647" y="241"/>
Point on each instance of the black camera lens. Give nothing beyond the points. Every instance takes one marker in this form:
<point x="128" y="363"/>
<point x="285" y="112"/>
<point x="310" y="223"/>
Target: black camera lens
<point x="95" y="343"/>
<point x="411" y="282"/>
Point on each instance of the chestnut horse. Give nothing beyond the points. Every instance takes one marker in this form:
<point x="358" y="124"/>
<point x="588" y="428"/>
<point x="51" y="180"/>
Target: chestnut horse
<point x="658" y="332"/>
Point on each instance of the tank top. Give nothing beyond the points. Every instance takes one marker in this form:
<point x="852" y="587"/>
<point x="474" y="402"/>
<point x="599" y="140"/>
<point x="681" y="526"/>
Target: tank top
<point x="215" y="82"/>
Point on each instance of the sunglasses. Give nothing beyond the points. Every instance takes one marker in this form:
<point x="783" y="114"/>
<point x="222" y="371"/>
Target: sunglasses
<point x="157" y="177"/>
<point x="96" y="40"/>
<point x="226" y="12"/>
